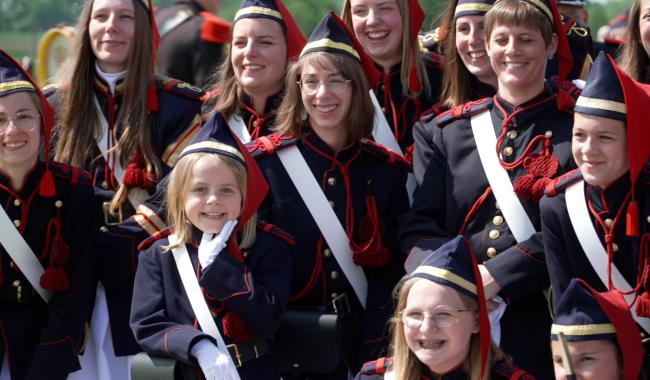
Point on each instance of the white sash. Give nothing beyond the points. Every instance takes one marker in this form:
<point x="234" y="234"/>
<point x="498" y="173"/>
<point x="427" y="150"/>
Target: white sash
<point x="590" y="242"/>
<point x="325" y="218"/>
<point x="513" y="211"/>
<point x="136" y="196"/>
<point x="238" y="127"/>
<point x="21" y="253"/>
<point x="193" y="291"/>
<point x="382" y="134"/>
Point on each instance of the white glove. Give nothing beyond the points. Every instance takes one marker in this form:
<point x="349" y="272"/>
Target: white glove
<point x="210" y="248"/>
<point x="215" y="364"/>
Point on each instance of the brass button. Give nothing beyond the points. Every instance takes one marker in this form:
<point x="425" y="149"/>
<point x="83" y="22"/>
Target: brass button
<point x="331" y="181"/>
<point x="296" y="365"/>
<point x="334" y="295"/>
<point x="548" y="134"/>
<point x="496" y="204"/>
<point x="331" y="204"/>
<point x="334" y="275"/>
<point x="507" y="151"/>
<point x="327" y="252"/>
<point x="497" y="220"/>
<point x="12" y="264"/>
<point x="244" y="254"/>
<point x="103" y="229"/>
<point x="16" y="202"/>
<point x="648" y="219"/>
<point x="491" y="252"/>
<point x="494" y="234"/>
<point x="16" y="283"/>
<point x="58" y="204"/>
<point x="104" y="185"/>
<point x="609" y="222"/>
<point x="512" y="134"/>
<point x="615" y="247"/>
<point x="17" y="223"/>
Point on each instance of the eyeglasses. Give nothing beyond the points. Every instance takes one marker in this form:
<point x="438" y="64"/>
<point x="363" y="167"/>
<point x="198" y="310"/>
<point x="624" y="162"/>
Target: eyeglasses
<point x="442" y="317"/>
<point x="311" y="85"/>
<point x="25" y="121"/>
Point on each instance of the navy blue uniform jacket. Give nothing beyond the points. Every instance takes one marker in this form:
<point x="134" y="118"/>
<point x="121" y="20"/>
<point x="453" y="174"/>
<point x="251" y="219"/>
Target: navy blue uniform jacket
<point x="316" y="277"/>
<point x="455" y="184"/>
<point x="257" y="290"/>
<point x="42" y="339"/>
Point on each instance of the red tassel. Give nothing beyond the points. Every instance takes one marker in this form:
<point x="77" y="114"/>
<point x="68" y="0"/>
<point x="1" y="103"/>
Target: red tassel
<point x="46" y="187"/>
<point x="54" y="279"/>
<point x="643" y="305"/>
<point x="60" y="253"/>
<point x="565" y="102"/>
<point x="523" y="186"/>
<point x="543" y="165"/>
<point x="152" y="98"/>
<point x="538" y="188"/>
<point x="235" y="328"/>
<point x="632" y="219"/>
<point x="375" y="259"/>
<point x="136" y="176"/>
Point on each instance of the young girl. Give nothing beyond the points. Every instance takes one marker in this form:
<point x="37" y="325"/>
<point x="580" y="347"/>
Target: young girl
<point x="46" y="239"/>
<point x="250" y="82"/>
<point x="602" y="340"/>
<point x="602" y="209"/>
<point x="410" y="80"/>
<point x="244" y="272"/>
<point x="440" y="327"/>
<point x="468" y="74"/>
<point x="324" y="122"/>
<point x="490" y="163"/>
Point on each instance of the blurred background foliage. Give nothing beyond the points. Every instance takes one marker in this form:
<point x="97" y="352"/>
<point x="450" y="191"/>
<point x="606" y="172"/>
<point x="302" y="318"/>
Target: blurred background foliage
<point x="22" y="22"/>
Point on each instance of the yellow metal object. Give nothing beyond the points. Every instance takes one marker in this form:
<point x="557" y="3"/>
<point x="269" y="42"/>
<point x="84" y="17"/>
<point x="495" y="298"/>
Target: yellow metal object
<point x="53" y="49"/>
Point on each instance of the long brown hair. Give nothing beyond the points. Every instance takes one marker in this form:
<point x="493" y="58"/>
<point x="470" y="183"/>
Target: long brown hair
<point x="634" y="59"/>
<point x="456" y="79"/>
<point x="178" y="189"/>
<point x="77" y="123"/>
<point x="411" y="55"/>
<point x="360" y="118"/>
<point x="406" y="366"/>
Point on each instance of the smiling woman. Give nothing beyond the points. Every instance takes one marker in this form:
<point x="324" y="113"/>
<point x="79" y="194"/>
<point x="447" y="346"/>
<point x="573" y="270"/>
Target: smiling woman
<point x="126" y="126"/>
<point x="520" y="139"/>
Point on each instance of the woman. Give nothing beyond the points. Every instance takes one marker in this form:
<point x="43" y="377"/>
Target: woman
<point x="611" y="150"/>
<point x="440" y="326"/>
<point x="601" y="340"/>
<point x="243" y="268"/>
<point x="127" y="128"/>
<point x="468" y="74"/>
<point x="410" y="81"/>
<point x="250" y="81"/>
<point x="635" y="59"/>
<point x="45" y="281"/>
<point x="493" y="199"/>
<point x="350" y="187"/>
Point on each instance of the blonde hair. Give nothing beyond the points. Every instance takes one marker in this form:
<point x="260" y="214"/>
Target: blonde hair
<point x="77" y="121"/>
<point x="411" y="55"/>
<point x="178" y="189"/>
<point x="407" y="366"/>
<point x="291" y="113"/>
<point x="634" y="59"/>
<point x="519" y="13"/>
